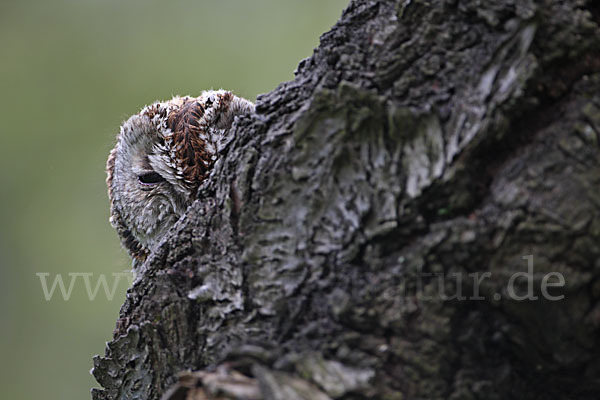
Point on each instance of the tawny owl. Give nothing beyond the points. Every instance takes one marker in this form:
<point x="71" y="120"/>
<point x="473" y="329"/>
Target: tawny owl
<point x="161" y="157"/>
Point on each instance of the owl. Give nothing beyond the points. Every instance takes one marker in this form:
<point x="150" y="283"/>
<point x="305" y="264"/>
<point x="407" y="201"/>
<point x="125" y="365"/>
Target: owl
<point x="161" y="157"/>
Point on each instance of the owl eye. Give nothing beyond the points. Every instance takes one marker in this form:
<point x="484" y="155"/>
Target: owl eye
<point x="150" y="178"/>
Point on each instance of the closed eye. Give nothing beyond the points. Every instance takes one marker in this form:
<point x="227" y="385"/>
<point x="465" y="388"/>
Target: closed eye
<point x="150" y="178"/>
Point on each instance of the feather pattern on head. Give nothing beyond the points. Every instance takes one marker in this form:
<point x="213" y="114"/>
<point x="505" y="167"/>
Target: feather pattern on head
<point x="162" y="156"/>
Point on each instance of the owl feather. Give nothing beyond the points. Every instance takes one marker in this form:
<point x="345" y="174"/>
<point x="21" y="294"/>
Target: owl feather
<point x="161" y="157"/>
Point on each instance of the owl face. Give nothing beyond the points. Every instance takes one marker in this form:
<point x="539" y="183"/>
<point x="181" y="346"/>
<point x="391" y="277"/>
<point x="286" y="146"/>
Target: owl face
<point x="161" y="157"/>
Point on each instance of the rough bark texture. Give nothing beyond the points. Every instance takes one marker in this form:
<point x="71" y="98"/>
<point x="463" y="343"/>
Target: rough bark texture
<point x="422" y="140"/>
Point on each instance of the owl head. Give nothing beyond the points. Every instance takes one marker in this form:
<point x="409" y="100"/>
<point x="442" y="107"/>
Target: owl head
<point x="161" y="157"/>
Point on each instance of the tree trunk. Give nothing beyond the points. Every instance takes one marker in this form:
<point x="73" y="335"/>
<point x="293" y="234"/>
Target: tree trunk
<point x="382" y="226"/>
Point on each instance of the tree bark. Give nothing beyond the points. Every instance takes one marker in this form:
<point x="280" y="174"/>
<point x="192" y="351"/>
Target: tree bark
<point x="361" y="235"/>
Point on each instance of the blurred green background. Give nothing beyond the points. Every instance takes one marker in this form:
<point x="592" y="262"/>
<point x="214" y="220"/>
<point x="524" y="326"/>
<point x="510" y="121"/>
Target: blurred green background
<point x="70" y="73"/>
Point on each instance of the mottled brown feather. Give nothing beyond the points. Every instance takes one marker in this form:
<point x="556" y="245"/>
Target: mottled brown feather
<point x="191" y="148"/>
<point x="110" y="170"/>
